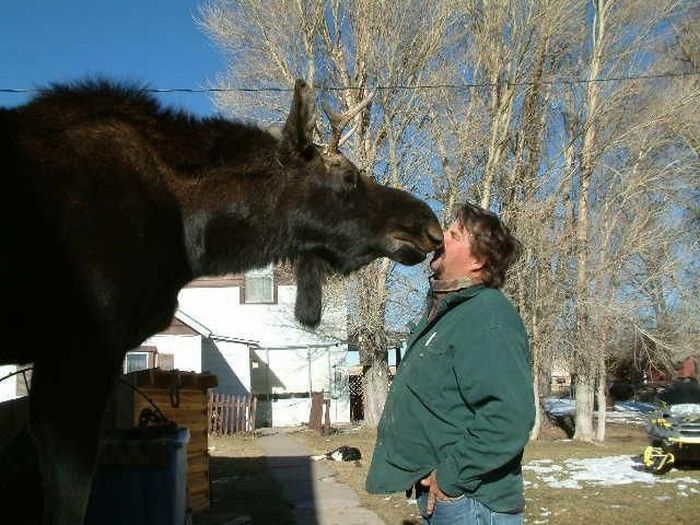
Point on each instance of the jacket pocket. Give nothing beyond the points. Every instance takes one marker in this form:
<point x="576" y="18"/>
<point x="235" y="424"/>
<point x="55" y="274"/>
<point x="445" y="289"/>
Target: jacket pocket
<point x="431" y="375"/>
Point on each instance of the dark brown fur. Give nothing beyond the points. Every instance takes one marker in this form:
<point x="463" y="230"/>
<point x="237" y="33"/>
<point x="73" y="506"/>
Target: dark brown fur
<point x="111" y="204"/>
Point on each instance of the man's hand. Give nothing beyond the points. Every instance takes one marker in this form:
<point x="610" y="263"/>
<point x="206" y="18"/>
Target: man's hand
<point x="434" y="493"/>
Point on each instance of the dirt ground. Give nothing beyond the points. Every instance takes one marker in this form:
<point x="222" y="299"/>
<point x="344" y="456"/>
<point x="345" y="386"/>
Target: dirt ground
<point x="242" y="490"/>
<point x="242" y="486"/>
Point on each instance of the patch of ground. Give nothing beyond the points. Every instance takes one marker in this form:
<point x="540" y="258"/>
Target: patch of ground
<point x="567" y="482"/>
<point x="393" y="509"/>
<point x="243" y="491"/>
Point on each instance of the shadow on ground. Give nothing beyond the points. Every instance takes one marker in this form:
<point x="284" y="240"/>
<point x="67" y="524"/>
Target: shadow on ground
<point x="565" y="423"/>
<point x="243" y="492"/>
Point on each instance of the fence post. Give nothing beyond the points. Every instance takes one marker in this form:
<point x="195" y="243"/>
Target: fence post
<point x="253" y="414"/>
<point x="229" y="413"/>
<point x="236" y="413"/>
<point x="214" y="413"/>
<point x="210" y="404"/>
<point x="232" y="414"/>
<point x="220" y="413"/>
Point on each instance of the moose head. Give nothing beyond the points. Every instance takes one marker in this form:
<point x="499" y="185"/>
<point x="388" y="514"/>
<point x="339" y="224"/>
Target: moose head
<point x="319" y="210"/>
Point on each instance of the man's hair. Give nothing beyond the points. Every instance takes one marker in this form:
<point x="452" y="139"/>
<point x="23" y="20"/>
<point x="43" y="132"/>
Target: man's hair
<point x="491" y="241"/>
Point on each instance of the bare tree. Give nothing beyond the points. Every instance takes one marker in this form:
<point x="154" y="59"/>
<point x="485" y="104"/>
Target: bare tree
<point x="620" y="32"/>
<point x="559" y="159"/>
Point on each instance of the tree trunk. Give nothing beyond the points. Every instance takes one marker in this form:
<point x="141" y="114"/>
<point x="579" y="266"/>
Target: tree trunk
<point x="584" y="408"/>
<point x="375" y="388"/>
<point x="602" y="400"/>
<point x="586" y="365"/>
<point x="535" y="432"/>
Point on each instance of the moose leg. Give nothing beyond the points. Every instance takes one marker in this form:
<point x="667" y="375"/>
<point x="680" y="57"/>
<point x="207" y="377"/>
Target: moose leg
<point x="66" y="406"/>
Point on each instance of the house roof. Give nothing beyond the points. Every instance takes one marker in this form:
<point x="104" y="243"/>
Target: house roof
<point x="283" y="276"/>
<point x="192" y="323"/>
<point x="177" y="327"/>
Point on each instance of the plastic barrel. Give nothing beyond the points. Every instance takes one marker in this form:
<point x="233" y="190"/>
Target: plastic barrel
<point x="141" y="478"/>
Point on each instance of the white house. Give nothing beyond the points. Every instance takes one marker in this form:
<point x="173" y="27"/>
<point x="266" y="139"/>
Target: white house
<point x="242" y="328"/>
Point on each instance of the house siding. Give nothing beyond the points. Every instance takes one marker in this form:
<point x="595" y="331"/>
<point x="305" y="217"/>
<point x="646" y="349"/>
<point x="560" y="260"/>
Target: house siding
<point x="185" y="349"/>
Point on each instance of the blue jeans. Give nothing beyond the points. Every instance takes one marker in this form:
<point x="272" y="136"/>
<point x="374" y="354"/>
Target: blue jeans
<point x="465" y="511"/>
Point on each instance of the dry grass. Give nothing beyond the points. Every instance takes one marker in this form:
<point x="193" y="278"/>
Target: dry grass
<point x="242" y="485"/>
<point x="611" y="505"/>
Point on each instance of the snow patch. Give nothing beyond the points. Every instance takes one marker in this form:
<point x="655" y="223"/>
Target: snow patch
<point x="606" y="471"/>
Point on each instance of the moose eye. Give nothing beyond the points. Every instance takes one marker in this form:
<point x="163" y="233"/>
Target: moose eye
<point x="350" y="179"/>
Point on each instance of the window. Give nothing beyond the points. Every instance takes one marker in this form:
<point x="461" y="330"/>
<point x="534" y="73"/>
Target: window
<point x="259" y="286"/>
<point x="136" y="361"/>
<point x="166" y="361"/>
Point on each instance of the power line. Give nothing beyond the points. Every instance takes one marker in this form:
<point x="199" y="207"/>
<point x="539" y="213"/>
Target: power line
<point x="466" y="85"/>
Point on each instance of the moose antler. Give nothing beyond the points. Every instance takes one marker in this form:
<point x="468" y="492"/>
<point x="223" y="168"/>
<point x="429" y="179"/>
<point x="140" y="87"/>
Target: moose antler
<point x="340" y="120"/>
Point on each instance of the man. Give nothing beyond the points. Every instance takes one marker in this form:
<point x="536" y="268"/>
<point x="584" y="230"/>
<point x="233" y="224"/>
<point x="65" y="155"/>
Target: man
<point x="461" y="407"/>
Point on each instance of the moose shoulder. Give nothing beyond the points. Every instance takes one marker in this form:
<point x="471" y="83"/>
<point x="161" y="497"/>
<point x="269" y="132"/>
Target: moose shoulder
<point x="113" y="203"/>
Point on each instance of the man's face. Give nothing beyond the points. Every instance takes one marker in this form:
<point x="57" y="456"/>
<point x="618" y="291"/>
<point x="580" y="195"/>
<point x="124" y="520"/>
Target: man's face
<point x="455" y="259"/>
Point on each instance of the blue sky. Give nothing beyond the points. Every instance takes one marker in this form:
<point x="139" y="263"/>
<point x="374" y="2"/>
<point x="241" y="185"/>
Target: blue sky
<point x="150" y="41"/>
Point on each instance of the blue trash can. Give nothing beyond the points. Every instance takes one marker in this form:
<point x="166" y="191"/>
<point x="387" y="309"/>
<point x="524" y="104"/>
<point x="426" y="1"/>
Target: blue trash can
<point x="141" y="477"/>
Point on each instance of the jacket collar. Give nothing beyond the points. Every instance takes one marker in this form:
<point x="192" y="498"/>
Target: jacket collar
<point x="448" y="301"/>
<point x="454" y="297"/>
<point x="450" y="285"/>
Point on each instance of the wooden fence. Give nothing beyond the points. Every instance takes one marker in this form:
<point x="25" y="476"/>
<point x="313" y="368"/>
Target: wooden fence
<point x="229" y="414"/>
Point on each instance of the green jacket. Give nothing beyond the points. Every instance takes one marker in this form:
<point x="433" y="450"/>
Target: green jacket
<point x="461" y="402"/>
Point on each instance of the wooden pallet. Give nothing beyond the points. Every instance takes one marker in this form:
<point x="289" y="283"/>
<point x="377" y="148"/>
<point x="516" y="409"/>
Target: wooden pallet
<point x="181" y="397"/>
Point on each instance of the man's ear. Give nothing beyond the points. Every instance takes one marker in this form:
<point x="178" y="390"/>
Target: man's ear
<point x="299" y="128"/>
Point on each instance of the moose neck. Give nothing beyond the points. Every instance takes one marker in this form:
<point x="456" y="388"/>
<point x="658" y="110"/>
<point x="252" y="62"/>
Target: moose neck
<point x="232" y="201"/>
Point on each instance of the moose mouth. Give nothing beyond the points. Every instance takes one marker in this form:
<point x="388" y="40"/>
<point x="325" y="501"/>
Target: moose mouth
<point x="407" y="252"/>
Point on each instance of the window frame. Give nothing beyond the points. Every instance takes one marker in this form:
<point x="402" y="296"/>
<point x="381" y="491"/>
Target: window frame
<point x="150" y="359"/>
<point x="266" y="272"/>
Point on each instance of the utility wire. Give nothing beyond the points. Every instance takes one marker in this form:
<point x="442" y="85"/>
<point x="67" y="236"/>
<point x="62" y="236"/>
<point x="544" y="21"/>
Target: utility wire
<point x="466" y="85"/>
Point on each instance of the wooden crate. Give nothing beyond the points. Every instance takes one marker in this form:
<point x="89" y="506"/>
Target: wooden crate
<point x="181" y="397"/>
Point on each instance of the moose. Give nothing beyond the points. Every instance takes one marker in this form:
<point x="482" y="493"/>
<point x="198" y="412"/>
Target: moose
<point x="113" y="202"/>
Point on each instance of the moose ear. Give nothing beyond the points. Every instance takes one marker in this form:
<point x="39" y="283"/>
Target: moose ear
<point x="301" y="121"/>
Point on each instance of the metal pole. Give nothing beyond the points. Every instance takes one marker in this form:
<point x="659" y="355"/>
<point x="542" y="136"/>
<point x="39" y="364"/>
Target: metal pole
<point x="308" y="356"/>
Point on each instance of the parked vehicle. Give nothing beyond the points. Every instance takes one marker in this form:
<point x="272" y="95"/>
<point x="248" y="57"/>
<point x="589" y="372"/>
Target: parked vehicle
<point x="674" y="429"/>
